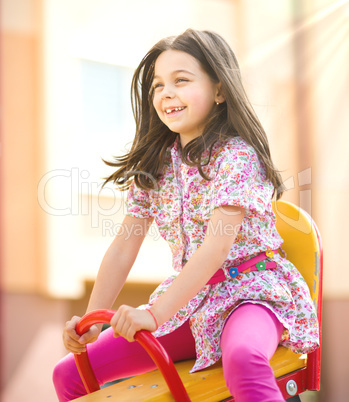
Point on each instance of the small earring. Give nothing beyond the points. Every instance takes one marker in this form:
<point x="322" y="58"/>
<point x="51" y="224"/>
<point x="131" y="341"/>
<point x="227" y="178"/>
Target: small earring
<point x="217" y="103"/>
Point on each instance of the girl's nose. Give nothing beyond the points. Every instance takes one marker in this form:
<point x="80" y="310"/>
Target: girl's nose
<point x="167" y="92"/>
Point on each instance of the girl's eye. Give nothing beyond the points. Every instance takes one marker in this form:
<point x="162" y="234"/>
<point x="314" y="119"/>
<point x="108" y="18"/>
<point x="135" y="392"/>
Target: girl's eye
<point x="179" y="80"/>
<point x="157" y="85"/>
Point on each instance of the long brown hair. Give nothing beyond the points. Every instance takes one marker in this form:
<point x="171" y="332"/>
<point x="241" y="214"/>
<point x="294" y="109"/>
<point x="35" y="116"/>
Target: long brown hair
<point x="234" y="117"/>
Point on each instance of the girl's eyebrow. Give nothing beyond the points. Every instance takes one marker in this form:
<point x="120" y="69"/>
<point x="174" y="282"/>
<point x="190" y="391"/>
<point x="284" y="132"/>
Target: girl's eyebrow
<point x="176" y="72"/>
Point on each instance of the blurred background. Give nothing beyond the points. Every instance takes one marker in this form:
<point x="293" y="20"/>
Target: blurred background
<point x="66" y="68"/>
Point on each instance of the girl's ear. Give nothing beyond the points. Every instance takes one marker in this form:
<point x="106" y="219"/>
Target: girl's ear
<point x="219" y="98"/>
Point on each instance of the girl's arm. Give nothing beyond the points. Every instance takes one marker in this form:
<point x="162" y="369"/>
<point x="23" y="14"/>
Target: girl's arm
<point x="112" y="274"/>
<point x="220" y="236"/>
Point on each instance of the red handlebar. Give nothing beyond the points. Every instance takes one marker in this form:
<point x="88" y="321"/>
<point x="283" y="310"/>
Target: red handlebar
<point x="149" y="343"/>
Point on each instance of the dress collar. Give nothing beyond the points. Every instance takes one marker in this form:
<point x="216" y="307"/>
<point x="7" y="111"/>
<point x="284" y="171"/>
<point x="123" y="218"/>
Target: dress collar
<point x="176" y="152"/>
<point x="177" y="157"/>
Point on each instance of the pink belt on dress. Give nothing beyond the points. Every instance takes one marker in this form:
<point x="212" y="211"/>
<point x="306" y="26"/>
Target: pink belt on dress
<point x="256" y="263"/>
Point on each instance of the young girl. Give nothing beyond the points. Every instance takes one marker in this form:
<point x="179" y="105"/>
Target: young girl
<point x="200" y="166"/>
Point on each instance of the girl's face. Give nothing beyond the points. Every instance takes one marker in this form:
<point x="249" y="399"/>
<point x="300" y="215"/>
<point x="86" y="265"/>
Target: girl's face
<point x="184" y="94"/>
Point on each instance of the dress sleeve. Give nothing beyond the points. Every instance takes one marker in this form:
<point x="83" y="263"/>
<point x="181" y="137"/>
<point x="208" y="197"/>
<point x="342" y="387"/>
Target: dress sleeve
<point x="138" y="203"/>
<point x="240" y="181"/>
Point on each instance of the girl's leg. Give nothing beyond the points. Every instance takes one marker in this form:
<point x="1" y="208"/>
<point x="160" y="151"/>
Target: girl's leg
<point x="113" y="358"/>
<point x="249" y="340"/>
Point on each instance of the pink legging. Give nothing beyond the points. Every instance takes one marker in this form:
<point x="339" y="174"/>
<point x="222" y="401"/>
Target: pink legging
<point x="249" y="339"/>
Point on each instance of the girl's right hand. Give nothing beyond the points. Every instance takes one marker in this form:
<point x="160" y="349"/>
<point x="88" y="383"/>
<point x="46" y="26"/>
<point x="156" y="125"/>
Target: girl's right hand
<point x="75" y="343"/>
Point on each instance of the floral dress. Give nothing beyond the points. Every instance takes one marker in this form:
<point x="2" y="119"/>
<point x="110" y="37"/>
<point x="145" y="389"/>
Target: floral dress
<point x="182" y="204"/>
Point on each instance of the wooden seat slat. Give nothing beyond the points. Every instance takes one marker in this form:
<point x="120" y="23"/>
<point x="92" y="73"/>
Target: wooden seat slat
<point x="206" y="385"/>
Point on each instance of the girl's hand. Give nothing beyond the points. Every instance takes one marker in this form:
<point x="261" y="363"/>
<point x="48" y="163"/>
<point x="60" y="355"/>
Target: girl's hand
<point x="75" y="343"/>
<point x="128" y="320"/>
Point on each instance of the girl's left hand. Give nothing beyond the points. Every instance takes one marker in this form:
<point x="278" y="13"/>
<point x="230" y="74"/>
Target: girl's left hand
<point x="128" y="320"/>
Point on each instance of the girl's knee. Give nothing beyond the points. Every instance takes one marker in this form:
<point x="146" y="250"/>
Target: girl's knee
<point x="60" y="375"/>
<point x="66" y="380"/>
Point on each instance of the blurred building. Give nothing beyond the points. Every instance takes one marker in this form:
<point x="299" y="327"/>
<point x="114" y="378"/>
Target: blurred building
<point x="65" y="72"/>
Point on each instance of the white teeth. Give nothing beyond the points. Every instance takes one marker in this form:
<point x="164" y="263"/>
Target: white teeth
<point x="176" y="109"/>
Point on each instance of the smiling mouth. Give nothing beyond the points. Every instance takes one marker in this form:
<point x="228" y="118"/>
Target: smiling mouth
<point x="174" y="109"/>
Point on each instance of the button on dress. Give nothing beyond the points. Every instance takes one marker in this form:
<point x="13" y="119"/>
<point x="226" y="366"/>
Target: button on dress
<point x="182" y="203"/>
